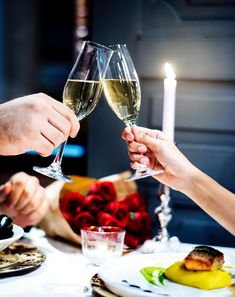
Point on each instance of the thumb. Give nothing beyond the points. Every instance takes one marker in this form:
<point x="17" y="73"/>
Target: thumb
<point x="151" y="143"/>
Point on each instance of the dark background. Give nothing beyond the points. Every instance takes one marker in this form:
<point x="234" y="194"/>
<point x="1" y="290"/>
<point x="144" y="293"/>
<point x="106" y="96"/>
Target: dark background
<point x="38" y="44"/>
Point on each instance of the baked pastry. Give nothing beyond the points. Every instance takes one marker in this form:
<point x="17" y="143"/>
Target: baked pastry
<point x="204" y="258"/>
<point x="202" y="268"/>
<point x="6" y="227"/>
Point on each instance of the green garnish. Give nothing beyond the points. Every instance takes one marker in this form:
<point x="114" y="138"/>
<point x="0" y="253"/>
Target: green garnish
<point x="154" y="275"/>
<point x="148" y="274"/>
<point x="161" y="275"/>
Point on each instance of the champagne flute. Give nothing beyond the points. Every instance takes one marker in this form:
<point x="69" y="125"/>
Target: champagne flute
<point x="122" y="91"/>
<point x="81" y="93"/>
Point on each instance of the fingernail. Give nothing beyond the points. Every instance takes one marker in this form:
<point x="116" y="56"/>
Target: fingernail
<point x="141" y="149"/>
<point x="144" y="160"/>
<point x="129" y="137"/>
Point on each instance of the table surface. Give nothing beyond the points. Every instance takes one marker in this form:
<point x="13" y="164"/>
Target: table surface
<point x="66" y="272"/>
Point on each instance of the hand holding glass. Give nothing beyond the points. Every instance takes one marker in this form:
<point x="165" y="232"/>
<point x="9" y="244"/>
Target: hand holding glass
<point x="122" y="90"/>
<point x="81" y="93"/>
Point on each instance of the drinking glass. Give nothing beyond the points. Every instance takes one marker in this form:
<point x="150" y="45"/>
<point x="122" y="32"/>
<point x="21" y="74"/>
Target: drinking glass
<point x="81" y="93"/>
<point x="102" y="243"/>
<point x="122" y="91"/>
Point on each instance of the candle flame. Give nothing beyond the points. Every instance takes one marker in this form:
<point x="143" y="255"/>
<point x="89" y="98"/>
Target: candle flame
<point x="169" y="71"/>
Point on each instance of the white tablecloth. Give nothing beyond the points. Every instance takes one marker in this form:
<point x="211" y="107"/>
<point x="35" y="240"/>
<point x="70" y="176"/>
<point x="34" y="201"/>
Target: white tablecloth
<point x="65" y="272"/>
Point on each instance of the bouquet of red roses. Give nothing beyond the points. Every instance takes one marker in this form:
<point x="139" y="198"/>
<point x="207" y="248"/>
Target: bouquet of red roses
<point x="101" y="207"/>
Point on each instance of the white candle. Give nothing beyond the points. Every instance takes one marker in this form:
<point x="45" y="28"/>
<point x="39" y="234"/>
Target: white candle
<point x="168" y="121"/>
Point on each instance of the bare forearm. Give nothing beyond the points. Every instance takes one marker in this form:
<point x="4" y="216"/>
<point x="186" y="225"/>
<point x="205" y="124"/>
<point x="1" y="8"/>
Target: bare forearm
<point x="180" y="174"/>
<point x="214" y="199"/>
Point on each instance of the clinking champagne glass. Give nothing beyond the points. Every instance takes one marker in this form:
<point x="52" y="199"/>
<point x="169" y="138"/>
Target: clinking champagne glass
<point x="81" y="93"/>
<point x="122" y="91"/>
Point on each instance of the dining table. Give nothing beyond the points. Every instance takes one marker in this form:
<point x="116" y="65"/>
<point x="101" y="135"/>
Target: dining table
<point x="66" y="271"/>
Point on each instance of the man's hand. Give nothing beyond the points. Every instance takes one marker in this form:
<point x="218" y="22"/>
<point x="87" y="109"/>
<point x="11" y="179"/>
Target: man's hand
<point x="23" y="199"/>
<point x="35" y="122"/>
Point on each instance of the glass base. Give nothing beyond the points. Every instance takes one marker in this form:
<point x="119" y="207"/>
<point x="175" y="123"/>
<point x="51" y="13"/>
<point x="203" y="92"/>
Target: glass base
<point x="141" y="172"/>
<point x="53" y="171"/>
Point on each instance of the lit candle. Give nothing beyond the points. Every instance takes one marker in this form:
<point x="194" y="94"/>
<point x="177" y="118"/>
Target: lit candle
<point x="168" y="121"/>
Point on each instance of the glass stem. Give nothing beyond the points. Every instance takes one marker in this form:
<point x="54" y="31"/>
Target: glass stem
<point x="141" y="167"/>
<point x="130" y="123"/>
<point x="59" y="155"/>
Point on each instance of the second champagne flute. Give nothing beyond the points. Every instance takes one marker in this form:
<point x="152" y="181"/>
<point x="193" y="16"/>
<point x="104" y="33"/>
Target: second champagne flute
<point x="81" y="93"/>
<point x="122" y="91"/>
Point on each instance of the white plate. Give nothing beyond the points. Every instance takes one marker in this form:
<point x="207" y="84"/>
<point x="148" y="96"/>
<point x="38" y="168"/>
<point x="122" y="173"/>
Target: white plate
<point x="17" y="234"/>
<point x="127" y="268"/>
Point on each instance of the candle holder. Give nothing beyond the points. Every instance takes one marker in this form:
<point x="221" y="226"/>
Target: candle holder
<point x="162" y="242"/>
<point x="163" y="212"/>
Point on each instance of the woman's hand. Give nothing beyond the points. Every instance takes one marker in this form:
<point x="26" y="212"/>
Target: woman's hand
<point x="152" y="148"/>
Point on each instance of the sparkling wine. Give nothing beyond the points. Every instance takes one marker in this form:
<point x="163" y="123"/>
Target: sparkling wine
<point x="82" y="96"/>
<point x="124" y="98"/>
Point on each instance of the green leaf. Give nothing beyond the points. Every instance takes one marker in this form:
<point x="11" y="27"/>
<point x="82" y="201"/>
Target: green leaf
<point x="148" y="276"/>
<point x="132" y="216"/>
<point x="161" y="276"/>
<point x="150" y="269"/>
<point x="152" y="272"/>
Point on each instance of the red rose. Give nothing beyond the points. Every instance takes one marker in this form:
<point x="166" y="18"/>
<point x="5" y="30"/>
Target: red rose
<point x="131" y="240"/>
<point x="106" y="219"/>
<point x="104" y="189"/>
<point x="139" y="221"/>
<point x="70" y="204"/>
<point x="94" y="203"/>
<point x="100" y="207"/>
<point x="83" y="219"/>
<point x="134" y="201"/>
<point x="119" y="211"/>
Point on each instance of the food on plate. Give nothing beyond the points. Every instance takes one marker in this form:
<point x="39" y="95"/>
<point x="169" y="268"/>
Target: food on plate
<point x="6" y="227"/>
<point x="20" y="255"/>
<point x="204" y="258"/>
<point x="206" y="280"/>
<point x="232" y="289"/>
<point x="202" y="268"/>
<point x="154" y="275"/>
